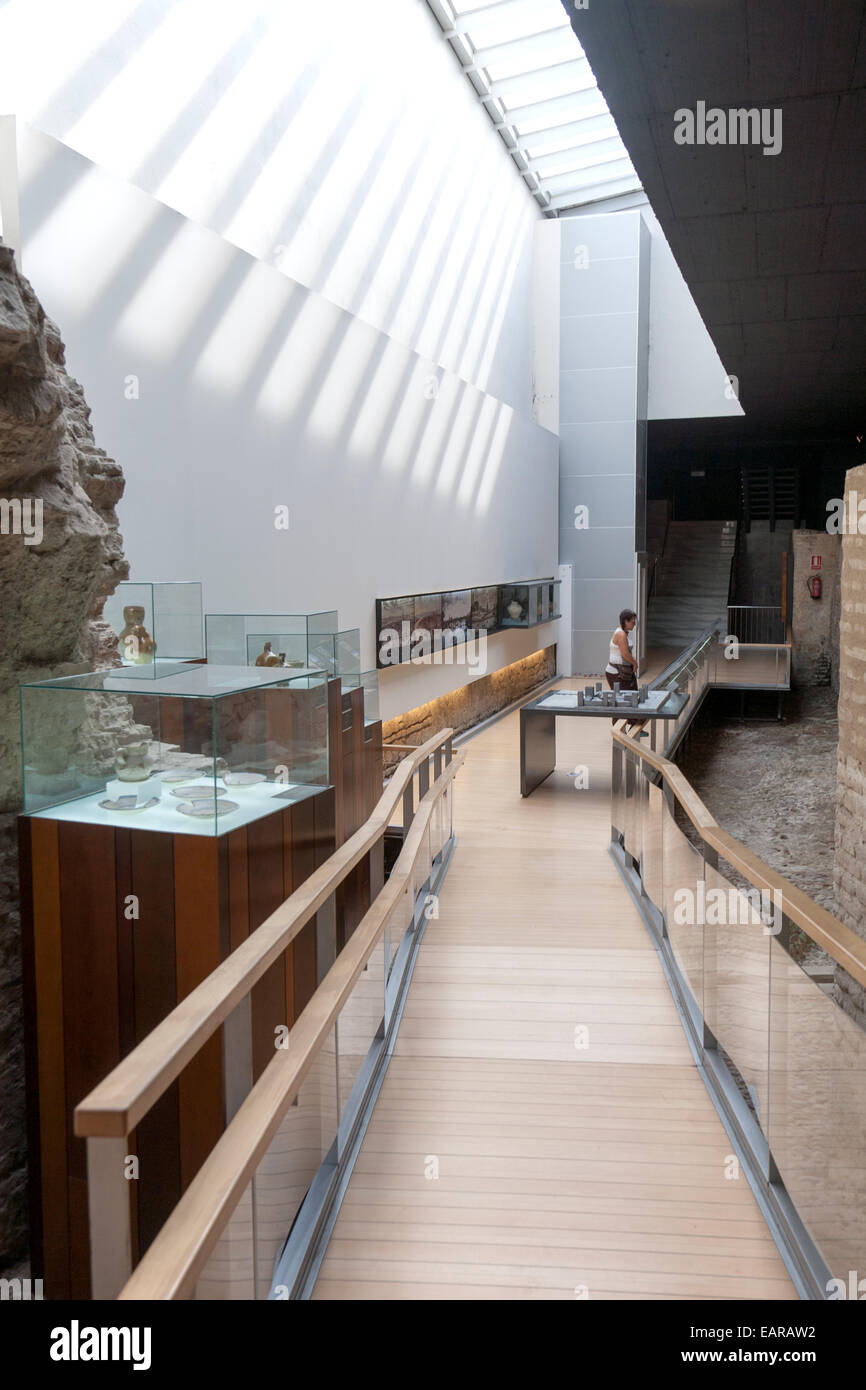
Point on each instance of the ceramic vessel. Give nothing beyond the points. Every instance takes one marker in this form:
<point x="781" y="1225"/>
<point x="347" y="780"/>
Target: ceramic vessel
<point x="137" y="647"/>
<point x="133" y="762"/>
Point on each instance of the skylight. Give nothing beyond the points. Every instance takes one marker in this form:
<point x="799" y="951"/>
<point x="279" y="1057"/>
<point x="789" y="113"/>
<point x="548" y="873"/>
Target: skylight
<point x="531" y="75"/>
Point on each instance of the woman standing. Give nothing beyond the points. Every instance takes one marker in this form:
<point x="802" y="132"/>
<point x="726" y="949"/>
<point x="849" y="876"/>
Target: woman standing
<point x="622" y="664"/>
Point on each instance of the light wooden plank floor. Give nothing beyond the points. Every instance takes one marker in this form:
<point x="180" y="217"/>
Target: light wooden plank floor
<point x="542" y="1132"/>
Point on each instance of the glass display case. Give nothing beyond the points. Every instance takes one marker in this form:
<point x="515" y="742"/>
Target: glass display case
<point x="338" y="653"/>
<point x="484" y="616"/>
<point x="369" y="680"/>
<point x="241" y="639"/>
<point x="156" y="621"/>
<point x="516" y="603"/>
<point x="529" y="602"/>
<point x="285" y="650"/>
<point x="197" y="749"/>
<point x="553" y="587"/>
<point x="421" y="625"/>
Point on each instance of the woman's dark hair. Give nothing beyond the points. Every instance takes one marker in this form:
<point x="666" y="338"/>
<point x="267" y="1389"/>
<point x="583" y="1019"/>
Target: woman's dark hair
<point x="626" y="616"/>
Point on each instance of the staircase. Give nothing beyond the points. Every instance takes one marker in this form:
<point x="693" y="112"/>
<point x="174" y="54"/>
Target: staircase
<point x="692" y="581"/>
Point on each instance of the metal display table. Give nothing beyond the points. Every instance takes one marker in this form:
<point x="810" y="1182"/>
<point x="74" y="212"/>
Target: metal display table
<point x="538" y="721"/>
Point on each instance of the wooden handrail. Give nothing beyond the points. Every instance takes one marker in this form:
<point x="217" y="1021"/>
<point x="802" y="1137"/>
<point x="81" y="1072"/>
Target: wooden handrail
<point x="172" y="1264"/>
<point x="114" y="1107"/>
<point x="844" y="945"/>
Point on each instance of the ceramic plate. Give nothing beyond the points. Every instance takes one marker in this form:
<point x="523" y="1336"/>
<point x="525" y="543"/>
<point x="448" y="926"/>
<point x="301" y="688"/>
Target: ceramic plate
<point x="129" y="803"/>
<point x="243" y="779"/>
<point x="177" y="774"/>
<point x="196" y="791"/>
<point x="202" y="810"/>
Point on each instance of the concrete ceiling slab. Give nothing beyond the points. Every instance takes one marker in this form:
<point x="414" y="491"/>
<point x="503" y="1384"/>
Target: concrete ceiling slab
<point x="773" y="247"/>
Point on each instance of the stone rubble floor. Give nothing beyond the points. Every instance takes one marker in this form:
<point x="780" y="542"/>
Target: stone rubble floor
<point x="773" y="785"/>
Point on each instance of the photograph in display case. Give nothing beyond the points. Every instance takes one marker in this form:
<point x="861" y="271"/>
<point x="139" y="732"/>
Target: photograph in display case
<point x="485" y="608"/>
<point x="456" y="610"/>
<point x="458" y="613"/>
<point x="394" y="626"/>
<point x="428" y="612"/>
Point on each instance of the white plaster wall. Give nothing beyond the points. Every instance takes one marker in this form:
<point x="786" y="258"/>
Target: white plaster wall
<point x="686" y="377"/>
<point x="255" y="392"/>
<point x="338" y="141"/>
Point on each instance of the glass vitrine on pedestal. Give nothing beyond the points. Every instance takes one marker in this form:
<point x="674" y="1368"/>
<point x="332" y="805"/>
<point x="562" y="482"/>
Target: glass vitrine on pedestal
<point x="156" y="621"/>
<point x="369" y="681"/>
<point x="240" y="639"/>
<point x="338" y="653"/>
<point x="185" y="748"/>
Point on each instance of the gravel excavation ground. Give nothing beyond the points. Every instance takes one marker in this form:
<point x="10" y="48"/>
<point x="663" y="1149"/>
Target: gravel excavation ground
<point x="773" y="786"/>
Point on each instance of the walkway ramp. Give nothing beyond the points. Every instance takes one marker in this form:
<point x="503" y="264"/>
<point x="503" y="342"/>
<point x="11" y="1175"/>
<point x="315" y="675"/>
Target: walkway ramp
<point x="542" y="1131"/>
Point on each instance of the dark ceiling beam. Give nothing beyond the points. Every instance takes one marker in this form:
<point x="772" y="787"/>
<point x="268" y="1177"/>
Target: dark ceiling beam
<point x="773" y="247"/>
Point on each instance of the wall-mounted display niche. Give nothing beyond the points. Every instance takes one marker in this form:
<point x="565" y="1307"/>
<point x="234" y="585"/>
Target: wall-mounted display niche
<point x="417" y="625"/>
<point x="186" y="748"/>
<point x="156" y="621"/>
<point x="529" y="602"/>
<point x="265" y="639"/>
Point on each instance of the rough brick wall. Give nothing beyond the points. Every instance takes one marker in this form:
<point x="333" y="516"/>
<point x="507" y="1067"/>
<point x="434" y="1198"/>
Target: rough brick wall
<point x="812" y="619"/>
<point x="850" y="857"/>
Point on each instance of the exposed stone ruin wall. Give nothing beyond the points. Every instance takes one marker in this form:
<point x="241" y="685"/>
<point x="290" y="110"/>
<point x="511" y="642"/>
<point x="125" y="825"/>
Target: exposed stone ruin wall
<point x="61" y="554"/>
<point x="850" y="857"/>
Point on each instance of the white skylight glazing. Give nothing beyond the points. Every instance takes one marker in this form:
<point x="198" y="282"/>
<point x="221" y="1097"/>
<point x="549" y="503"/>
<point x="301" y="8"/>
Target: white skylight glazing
<point x="531" y="75"/>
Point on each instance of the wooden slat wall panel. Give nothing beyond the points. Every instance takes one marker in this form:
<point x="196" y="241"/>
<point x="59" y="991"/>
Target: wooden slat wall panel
<point x="238" y="887"/>
<point x="91" y="1035"/>
<point x="266" y="892"/>
<point x="358" y="754"/>
<point x="374" y="771"/>
<point x="49" y="1200"/>
<point x="335" y="752"/>
<point x="125" y="924"/>
<point x="325" y="822"/>
<point x="304" y="862"/>
<point x="348" y="742"/>
<point x="155" y="987"/>
<point x="290" y="885"/>
<point x="197" y="917"/>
